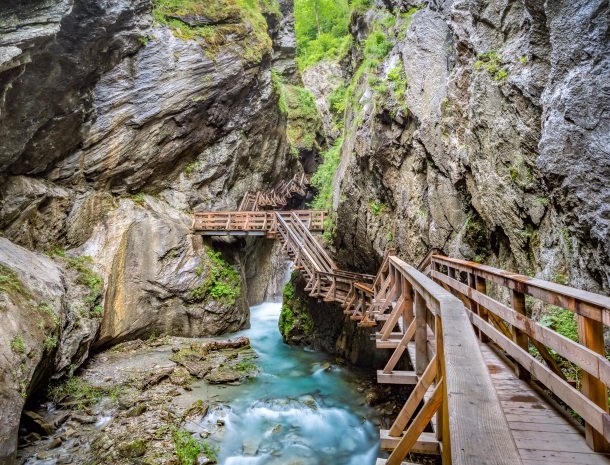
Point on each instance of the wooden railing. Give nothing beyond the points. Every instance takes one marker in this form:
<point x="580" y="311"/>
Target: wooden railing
<point x="514" y="331"/>
<point x="254" y="222"/>
<point x="278" y="197"/>
<point x="323" y="277"/>
<point x="451" y="380"/>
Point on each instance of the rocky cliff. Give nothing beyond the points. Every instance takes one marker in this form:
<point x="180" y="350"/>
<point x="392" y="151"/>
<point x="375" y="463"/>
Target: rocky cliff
<point x="479" y="128"/>
<point x="118" y="119"/>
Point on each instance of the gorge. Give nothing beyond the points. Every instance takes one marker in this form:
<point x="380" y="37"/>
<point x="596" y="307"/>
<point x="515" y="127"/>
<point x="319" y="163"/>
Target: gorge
<point x="476" y="129"/>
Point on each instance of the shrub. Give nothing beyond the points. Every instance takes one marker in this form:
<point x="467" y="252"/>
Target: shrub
<point x="377" y="45"/>
<point x="9" y="281"/>
<point x="18" y="345"/>
<point x="188" y="448"/>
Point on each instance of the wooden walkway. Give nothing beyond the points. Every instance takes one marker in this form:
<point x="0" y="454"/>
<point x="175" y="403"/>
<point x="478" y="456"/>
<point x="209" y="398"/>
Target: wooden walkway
<point x="478" y="362"/>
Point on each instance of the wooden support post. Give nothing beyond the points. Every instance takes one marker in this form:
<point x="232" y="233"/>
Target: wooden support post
<point x="519" y="337"/>
<point x="421" y="335"/>
<point x="591" y="335"/>
<point x="481" y="286"/>
<point x="407" y="306"/>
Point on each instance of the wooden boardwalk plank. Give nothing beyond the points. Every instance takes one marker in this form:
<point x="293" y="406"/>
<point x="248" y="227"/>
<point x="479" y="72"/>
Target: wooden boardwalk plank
<point x="543" y="435"/>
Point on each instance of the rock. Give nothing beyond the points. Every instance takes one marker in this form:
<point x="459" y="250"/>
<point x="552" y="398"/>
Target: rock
<point x="83" y="419"/>
<point x="180" y="376"/>
<point x="136" y="411"/>
<point x="196" y="411"/>
<point x="133" y="449"/>
<point x="35" y="423"/>
<point x="223" y="375"/>
<point x="155" y="378"/>
<point x="54" y="443"/>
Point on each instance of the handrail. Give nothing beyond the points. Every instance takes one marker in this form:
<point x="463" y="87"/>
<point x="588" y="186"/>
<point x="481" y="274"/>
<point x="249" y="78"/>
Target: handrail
<point x="470" y="422"/>
<point x="511" y="329"/>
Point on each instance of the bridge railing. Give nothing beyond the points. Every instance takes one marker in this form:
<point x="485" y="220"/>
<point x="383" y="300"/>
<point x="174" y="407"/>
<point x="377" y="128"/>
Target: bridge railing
<point x="515" y="332"/>
<point x="450" y="377"/>
<point x="263" y="222"/>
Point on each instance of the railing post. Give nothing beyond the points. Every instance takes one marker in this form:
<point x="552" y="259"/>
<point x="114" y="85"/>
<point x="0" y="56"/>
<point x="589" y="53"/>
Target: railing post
<point x="519" y="337"/>
<point x="479" y="284"/>
<point x="591" y="335"/>
<point x="421" y="335"/>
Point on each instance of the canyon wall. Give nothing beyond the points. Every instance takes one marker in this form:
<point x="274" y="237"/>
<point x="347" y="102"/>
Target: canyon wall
<point x="117" y="120"/>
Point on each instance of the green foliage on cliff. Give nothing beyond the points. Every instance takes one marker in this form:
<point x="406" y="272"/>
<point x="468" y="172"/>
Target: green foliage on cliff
<point x="377" y="45"/>
<point x="18" y="345"/>
<point x="231" y="19"/>
<point x="322" y="180"/>
<point x="299" y="106"/>
<point x="491" y="62"/>
<point x="9" y="281"/>
<point x="321" y="28"/>
<point x="294" y="314"/>
<point x="221" y="282"/>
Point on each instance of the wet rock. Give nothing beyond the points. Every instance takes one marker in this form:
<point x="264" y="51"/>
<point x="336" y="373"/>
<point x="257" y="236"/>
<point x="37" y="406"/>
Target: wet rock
<point x="180" y="376"/>
<point x="36" y="423"/>
<point x="223" y="375"/>
<point x="133" y="449"/>
<point x="157" y="377"/>
<point x="54" y="443"/>
<point x="136" y="411"/>
<point x="83" y="419"/>
<point x="196" y="411"/>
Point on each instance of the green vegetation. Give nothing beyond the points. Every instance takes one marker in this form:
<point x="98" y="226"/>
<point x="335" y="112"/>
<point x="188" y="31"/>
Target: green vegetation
<point x="299" y="105"/>
<point x="241" y="19"/>
<point x="47" y="310"/>
<point x="561" y="320"/>
<point x="377" y="45"/>
<point x="85" y="275"/>
<point x="377" y="208"/>
<point x="192" y="167"/>
<point x="143" y="40"/>
<point x="9" y="281"/>
<point x="221" y="283"/>
<point x="491" y="62"/>
<point x="567" y="239"/>
<point x="321" y="28"/>
<point x="80" y="392"/>
<point x="294" y="313"/>
<point x="18" y="345"/>
<point x="138" y="198"/>
<point x="188" y="448"/>
<point x="322" y="180"/>
<point x="521" y="173"/>
<point x="49" y="343"/>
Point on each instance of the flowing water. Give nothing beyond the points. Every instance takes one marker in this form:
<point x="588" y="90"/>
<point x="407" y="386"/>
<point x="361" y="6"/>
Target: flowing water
<point x="300" y="410"/>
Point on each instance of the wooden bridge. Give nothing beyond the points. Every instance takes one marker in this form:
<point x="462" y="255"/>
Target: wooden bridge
<point x="487" y="381"/>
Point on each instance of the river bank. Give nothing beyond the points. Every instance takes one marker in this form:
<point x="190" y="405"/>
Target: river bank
<point x="174" y="400"/>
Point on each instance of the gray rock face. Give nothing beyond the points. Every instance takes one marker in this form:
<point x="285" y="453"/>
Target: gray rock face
<point x="502" y="154"/>
<point x="112" y="131"/>
<point x="44" y="331"/>
<point x="64" y="48"/>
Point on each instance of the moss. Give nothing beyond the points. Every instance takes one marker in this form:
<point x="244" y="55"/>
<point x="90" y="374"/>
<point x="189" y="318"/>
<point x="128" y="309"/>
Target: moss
<point x="521" y="173"/>
<point x="138" y="198"/>
<point x="249" y="32"/>
<point x="192" y="167"/>
<point x="294" y="315"/>
<point x="222" y="281"/>
<point x="18" y="345"/>
<point x="47" y="310"/>
<point x="303" y="119"/>
<point x="566" y="239"/>
<point x="377" y="208"/>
